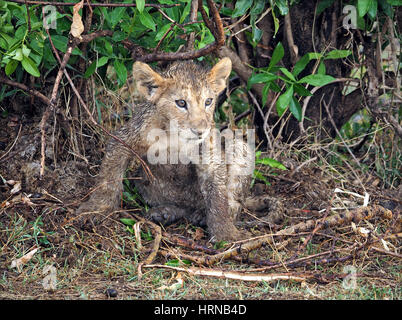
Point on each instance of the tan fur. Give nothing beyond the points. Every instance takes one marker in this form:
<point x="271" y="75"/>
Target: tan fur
<point x="202" y="193"/>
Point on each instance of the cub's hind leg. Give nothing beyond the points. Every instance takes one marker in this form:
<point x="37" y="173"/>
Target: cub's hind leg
<point x="271" y="209"/>
<point x="168" y="214"/>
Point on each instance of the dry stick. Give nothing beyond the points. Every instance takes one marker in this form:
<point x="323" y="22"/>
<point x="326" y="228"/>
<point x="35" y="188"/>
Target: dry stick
<point x="216" y="30"/>
<point x="157" y="241"/>
<point x="338" y="219"/>
<point x="307" y="100"/>
<point x="317" y="227"/>
<point x="193" y="18"/>
<point x="12" y="146"/>
<point x="294" y="50"/>
<point x="23" y="87"/>
<point x="300" y="260"/>
<point x="236" y="275"/>
<point x="70" y="4"/>
<point x="89" y="38"/>
<point x="51" y="108"/>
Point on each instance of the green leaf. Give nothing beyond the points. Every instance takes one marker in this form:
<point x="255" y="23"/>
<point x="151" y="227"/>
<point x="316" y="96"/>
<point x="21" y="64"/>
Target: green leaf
<point x="317" y="80"/>
<point x="282" y="6"/>
<point x="11" y="66"/>
<point x="128" y="222"/>
<point x="18" y="55"/>
<point x="302" y="91"/>
<point x="259" y="176"/>
<point x="117" y="15"/>
<point x="241" y="7"/>
<point x="321" y="68"/>
<point x="256" y="34"/>
<point x="60" y="43"/>
<point x="363" y="6"/>
<point x="271" y="162"/>
<point x="337" y="54"/>
<point x="121" y="71"/>
<point x="324" y="4"/>
<point x="395" y="2"/>
<point x="284" y="100"/>
<point x="276" y="22"/>
<point x="295" y="108"/>
<point x="372" y="11"/>
<point x="261" y="78"/>
<point x="162" y="31"/>
<point x="185" y="12"/>
<point x="288" y="74"/>
<point x="265" y="91"/>
<point x="147" y="20"/>
<point x="300" y="65"/>
<point x="102" y="61"/>
<point x="30" y="66"/>
<point x="277" y="55"/>
<point x="140" y="5"/>
<point x="258" y="7"/>
<point x="91" y="69"/>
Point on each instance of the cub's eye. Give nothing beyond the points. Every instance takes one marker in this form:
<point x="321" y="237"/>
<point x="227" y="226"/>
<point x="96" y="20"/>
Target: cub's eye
<point x="181" y="104"/>
<point x="208" y="102"/>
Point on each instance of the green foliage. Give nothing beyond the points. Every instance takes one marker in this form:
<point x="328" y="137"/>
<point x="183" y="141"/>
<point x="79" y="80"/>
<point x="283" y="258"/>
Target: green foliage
<point x="274" y="75"/>
<point x="23" y="50"/>
<point x="258" y="175"/>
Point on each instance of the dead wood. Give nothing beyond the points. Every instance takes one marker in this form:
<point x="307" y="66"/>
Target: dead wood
<point x="246" y="246"/>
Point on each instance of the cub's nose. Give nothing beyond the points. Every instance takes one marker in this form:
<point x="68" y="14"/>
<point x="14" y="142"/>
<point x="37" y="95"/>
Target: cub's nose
<point x="197" y="132"/>
<point x="200" y="127"/>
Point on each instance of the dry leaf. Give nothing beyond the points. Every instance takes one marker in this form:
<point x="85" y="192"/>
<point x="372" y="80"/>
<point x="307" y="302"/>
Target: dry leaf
<point x="77" y="27"/>
<point x="177" y="285"/>
<point x="16" y="188"/>
<point x="17" y="263"/>
<point x="49" y="282"/>
<point x="385" y="244"/>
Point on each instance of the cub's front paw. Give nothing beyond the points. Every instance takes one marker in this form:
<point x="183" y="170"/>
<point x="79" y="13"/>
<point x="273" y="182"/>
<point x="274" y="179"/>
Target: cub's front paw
<point x="165" y="215"/>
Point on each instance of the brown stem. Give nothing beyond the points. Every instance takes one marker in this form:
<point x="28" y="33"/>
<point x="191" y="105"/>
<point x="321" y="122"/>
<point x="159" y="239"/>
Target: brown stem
<point x="42" y="97"/>
<point x="70" y="4"/>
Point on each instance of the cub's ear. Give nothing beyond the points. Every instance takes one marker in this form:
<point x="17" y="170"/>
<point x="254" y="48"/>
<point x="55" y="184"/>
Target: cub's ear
<point x="148" y="81"/>
<point x="219" y="74"/>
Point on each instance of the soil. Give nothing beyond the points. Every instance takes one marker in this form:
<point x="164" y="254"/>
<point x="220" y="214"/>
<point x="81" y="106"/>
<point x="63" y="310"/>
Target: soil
<point x="40" y="215"/>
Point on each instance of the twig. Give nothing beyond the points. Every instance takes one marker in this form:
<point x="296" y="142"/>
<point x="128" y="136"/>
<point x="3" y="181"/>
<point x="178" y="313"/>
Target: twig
<point x="21" y="86"/>
<point x="156" y="244"/>
<point x="338" y="219"/>
<point x="217" y="31"/>
<point x="53" y="99"/>
<point x="29" y="16"/>
<point x="193" y="18"/>
<point x="12" y="146"/>
<point x="307" y="100"/>
<point x="294" y="50"/>
<point x="111" y="5"/>
<point x="235" y="275"/>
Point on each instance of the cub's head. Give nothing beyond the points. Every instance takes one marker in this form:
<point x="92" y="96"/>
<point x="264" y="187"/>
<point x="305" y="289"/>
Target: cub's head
<point x="185" y="93"/>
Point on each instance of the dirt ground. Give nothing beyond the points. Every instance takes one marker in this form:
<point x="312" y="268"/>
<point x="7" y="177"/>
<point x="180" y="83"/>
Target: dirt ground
<point x="107" y="263"/>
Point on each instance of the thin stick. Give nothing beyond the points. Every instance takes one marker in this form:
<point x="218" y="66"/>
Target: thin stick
<point x="235" y="275"/>
<point x="111" y="5"/>
<point x="12" y="146"/>
<point x="338" y="219"/>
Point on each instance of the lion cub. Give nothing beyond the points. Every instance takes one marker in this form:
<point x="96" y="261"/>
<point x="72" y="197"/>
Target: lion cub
<point x="177" y="115"/>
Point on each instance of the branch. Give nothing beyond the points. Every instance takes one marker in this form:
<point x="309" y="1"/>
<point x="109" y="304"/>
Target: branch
<point x="111" y="5"/>
<point x="356" y="215"/>
<point x="216" y="28"/>
<point x="43" y="98"/>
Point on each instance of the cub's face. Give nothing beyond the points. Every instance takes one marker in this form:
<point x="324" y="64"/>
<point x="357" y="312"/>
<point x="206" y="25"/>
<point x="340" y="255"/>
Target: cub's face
<point x="185" y="95"/>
